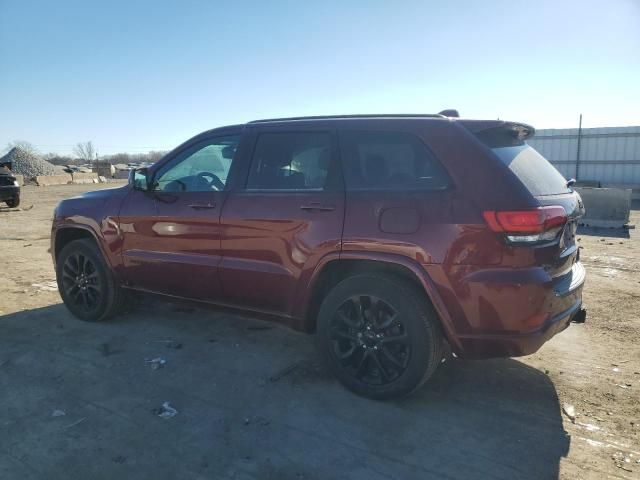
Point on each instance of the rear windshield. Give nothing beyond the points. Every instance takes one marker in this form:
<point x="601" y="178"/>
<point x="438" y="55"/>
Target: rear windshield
<point x="532" y="169"/>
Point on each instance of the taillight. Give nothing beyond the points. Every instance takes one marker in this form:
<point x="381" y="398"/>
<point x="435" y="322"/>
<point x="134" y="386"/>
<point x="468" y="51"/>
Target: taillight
<point x="527" y="226"/>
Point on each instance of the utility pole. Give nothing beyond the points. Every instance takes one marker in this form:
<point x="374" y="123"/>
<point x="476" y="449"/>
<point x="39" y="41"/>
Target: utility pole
<point x="578" y="149"/>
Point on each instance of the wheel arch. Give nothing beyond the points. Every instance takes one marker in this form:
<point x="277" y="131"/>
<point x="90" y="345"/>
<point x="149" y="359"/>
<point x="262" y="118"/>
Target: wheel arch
<point x="332" y="270"/>
<point x="66" y="234"/>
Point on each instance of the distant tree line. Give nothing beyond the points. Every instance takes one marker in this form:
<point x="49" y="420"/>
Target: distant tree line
<point x="85" y="152"/>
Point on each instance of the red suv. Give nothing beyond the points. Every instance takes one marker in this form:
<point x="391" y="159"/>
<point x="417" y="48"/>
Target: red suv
<point x="394" y="237"/>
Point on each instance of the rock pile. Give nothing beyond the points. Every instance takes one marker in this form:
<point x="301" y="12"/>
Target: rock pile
<point x="27" y="164"/>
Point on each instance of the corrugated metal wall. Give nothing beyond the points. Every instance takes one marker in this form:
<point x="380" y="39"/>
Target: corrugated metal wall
<point x="610" y="155"/>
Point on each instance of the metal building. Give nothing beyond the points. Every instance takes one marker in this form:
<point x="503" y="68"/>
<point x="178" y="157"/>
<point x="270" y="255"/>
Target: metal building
<point x="610" y="155"/>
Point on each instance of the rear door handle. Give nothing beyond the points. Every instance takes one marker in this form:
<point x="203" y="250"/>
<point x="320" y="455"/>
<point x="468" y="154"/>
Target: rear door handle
<point x="202" y="206"/>
<point x="317" y="207"/>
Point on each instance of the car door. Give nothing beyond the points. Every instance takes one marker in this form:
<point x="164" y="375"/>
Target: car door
<point x="171" y="233"/>
<point x="286" y="218"/>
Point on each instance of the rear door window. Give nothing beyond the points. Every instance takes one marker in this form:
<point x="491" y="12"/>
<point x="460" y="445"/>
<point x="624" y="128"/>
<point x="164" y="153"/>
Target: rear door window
<point x="374" y="160"/>
<point x="290" y="161"/>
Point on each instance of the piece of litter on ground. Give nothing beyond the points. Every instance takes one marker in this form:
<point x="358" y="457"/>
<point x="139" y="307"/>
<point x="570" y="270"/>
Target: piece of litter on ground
<point x="570" y="411"/>
<point x="257" y="420"/>
<point x="284" y="372"/>
<point x="76" y="423"/>
<point x="622" y="386"/>
<point x="166" y="411"/>
<point x="616" y="369"/>
<point x="58" y="413"/>
<point x="156" y="363"/>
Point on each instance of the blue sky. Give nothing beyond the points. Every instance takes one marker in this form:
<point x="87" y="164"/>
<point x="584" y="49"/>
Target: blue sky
<point x="140" y="75"/>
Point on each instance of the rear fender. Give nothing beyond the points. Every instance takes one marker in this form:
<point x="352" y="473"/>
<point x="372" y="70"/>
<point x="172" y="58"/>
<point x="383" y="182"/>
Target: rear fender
<point x="305" y="298"/>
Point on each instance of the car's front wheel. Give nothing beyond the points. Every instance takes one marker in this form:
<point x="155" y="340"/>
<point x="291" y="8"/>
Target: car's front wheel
<point x="380" y="335"/>
<point x="86" y="283"/>
<point x="14" y="202"/>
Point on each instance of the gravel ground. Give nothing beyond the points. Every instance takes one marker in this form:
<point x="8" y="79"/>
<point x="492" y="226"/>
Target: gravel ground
<point x="82" y="401"/>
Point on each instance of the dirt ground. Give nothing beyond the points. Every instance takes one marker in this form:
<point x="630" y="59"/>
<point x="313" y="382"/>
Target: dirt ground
<point x="81" y="400"/>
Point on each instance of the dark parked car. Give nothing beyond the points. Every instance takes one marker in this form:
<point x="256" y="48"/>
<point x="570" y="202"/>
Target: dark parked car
<point x="9" y="186"/>
<point x="395" y="238"/>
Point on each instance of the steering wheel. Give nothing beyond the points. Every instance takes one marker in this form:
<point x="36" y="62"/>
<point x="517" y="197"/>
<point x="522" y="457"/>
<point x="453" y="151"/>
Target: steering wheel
<point x="215" y="181"/>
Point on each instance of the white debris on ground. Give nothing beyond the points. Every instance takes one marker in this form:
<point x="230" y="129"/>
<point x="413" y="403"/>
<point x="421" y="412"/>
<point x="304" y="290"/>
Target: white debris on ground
<point x="46" y="286"/>
<point x="166" y="411"/>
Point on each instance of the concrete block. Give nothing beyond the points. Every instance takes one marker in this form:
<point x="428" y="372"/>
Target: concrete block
<point x="605" y="207"/>
<point x="84" y="177"/>
<point x="46" y="180"/>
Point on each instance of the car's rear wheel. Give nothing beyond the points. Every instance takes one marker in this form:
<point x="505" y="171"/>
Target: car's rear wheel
<point x="14" y="202"/>
<point x="86" y="283"/>
<point x="380" y="335"/>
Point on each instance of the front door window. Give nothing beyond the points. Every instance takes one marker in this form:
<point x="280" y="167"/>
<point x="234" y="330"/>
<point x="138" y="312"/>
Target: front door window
<point x="203" y="168"/>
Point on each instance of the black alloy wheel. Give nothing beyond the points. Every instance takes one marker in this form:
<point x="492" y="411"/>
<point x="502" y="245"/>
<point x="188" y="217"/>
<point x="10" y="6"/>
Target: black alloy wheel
<point x="81" y="282"/>
<point x="379" y="335"/>
<point x="86" y="283"/>
<point x="369" y="340"/>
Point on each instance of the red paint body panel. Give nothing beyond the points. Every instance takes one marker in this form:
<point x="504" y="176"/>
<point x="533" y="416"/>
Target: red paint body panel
<point x="259" y="250"/>
<point x="270" y="243"/>
<point x="169" y="246"/>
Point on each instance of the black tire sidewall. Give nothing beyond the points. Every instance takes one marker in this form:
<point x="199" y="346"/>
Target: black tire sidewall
<point x="90" y="250"/>
<point x="417" y="317"/>
<point x="14" y="202"/>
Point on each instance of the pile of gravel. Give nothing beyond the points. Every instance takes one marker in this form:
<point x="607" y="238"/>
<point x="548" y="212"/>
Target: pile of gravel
<point x="27" y="164"/>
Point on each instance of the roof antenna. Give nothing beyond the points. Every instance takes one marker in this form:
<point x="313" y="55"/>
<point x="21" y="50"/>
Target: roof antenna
<point x="450" y="112"/>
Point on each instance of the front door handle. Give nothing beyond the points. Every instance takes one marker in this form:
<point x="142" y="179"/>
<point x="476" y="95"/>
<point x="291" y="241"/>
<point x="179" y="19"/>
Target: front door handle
<point x="317" y="207"/>
<point x="202" y="206"/>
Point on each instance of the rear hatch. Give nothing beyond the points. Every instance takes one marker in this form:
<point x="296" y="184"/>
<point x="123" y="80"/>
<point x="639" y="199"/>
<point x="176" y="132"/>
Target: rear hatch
<point x="556" y="248"/>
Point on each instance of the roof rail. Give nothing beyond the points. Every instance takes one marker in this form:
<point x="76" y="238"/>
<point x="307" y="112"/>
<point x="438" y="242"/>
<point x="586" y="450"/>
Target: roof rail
<point x="329" y="117"/>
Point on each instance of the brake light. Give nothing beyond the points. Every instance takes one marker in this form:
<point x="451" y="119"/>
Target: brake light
<point x="527" y="226"/>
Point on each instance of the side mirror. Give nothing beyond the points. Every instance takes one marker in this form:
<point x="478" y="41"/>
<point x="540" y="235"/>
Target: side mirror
<point x="138" y="179"/>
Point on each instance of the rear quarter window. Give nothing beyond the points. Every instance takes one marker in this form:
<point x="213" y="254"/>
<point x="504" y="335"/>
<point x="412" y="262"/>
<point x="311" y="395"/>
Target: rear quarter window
<point x="378" y="160"/>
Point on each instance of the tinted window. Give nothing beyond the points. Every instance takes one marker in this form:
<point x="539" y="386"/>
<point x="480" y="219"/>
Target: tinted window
<point x="390" y="160"/>
<point x="290" y="161"/>
<point x="202" y="169"/>
<point x="532" y="169"/>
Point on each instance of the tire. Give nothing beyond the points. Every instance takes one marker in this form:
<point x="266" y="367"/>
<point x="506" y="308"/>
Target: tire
<point x="85" y="282"/>
<point x="403" y="343"/>
<point x="14" y="202"/>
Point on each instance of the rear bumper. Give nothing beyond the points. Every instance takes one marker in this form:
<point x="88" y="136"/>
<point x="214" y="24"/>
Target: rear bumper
<point x="517" y="345"/>
<point x="509" y="312"/>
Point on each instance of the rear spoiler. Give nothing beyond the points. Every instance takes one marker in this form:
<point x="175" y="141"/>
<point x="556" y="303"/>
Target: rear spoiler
<point x="498" y="133"/>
